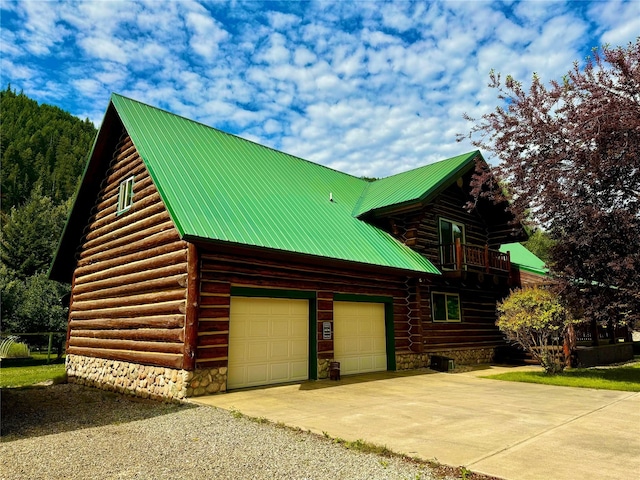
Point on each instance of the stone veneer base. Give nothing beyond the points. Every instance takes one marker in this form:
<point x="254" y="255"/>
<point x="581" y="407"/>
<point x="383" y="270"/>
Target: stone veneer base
<point x="144" y="381"/>
<point x="468" y="356"/>
<point x="170" y="384"/>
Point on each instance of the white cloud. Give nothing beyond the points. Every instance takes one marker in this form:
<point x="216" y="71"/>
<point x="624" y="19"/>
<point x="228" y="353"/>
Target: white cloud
<point x="371" y="88"/>
<point x="302" y="56"/>
<point x="12" y="71"/>
<point x="207" y="34"/>
<point x="276" y="52"/>
<point x="104" y="48"/>
<point x="280" y="21"/>
<point x="619" y="21"/>
<point x="42" y="31"/>
<point x="87" y="87"/>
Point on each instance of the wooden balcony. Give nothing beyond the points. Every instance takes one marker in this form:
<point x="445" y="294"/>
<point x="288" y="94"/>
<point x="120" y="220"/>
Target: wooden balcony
<point x="458" y="257"/>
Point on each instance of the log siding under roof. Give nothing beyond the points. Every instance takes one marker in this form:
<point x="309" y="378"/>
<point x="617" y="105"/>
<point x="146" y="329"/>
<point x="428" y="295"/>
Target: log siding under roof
<point x="220" y="272"/>
<point x="130" y="285"/>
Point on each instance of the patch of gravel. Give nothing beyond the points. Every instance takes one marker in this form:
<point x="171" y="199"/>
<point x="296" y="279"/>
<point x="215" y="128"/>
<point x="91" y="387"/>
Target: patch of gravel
<point x="71" y="431"/>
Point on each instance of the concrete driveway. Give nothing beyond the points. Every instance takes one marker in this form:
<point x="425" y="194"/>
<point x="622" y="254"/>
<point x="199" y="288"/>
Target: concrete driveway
<point x="506" y="429"/>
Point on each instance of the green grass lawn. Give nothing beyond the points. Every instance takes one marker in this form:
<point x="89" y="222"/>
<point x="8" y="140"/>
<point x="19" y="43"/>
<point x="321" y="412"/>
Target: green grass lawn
<point x="29" y="371"/>
<point x="625" y="377"/>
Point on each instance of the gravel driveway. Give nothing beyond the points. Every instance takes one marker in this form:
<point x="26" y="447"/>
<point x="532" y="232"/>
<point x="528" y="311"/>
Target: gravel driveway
<point x="70" y="431"/>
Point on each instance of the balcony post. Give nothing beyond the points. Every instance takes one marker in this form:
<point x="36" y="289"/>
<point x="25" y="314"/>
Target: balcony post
<point x="486" y="257"/>
<point x="458" y="255"/>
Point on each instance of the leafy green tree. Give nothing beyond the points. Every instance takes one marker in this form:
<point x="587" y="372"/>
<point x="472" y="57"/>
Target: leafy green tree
<point x="34" y="305"/>
<point x="30" y="301"/>
<point x="570" y="153"/>
<point x="30" y="235"/>
<point x="535" y="319"/>
<point x="540" y="243"/>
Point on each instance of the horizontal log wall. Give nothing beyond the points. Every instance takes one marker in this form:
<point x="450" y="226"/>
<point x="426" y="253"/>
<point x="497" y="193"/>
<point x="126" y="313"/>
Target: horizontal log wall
<point x="419" y="229"/>
<point x="478" y="294"/>
<point x="219" y="272"/>
<point x="477" y="329"/>
<point x="130" y="285"/>
<point x="449" y="205"/>
<point x="523" y="278"/>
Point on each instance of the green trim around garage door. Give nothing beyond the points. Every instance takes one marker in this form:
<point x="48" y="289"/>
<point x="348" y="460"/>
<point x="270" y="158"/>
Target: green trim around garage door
<point x="388" y="320"/>
<point x="295" y="295"/>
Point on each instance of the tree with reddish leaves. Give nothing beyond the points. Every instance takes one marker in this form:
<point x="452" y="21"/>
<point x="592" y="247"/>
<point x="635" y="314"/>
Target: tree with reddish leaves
<point x="569" y="157"/>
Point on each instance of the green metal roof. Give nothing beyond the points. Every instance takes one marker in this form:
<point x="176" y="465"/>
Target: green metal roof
<point x="418" y="185"/>
<point x="218" y="186"/>
<point x="524" y="259"/>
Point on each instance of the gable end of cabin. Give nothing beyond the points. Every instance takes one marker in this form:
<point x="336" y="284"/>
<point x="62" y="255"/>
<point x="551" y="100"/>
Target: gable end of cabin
<point x="128" y="311"/>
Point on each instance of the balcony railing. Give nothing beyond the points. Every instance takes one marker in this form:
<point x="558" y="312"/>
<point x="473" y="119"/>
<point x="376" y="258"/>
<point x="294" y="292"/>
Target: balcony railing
<point x="460" y="256"/>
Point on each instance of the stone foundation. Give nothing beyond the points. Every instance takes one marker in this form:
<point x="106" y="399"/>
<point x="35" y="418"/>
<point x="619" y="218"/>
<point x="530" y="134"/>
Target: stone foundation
<point x="207" y="382"/>
<point x="158" y="383"/>
<point x="470" y="356"/>
<point x="323" y="367"/>
<point x="411" y="361"/>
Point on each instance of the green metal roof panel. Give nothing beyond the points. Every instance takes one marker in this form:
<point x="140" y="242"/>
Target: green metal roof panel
<point x="414" y="185"/>
<point x="221" y="187"/>
<point x="524" y="259"/>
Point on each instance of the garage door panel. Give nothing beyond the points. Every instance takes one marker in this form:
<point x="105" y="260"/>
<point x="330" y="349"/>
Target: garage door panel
<point x="280" y="327"/>
<point x="360" y="337"/>
<point x="279" y="372"/>
<point x="365" y="327"/>
<point x="255" y="375"/>
<point x="255" y="351"/>
<point x="298" y="350"/>
<point x="279" y="350"/>
<point x="299" y="370"/>
<point x="257" y="328"/>
<point x="268" y="341"/>
<point x="380" y="362"/>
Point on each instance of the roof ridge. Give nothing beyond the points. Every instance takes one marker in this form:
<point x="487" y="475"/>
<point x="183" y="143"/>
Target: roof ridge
<point x="237" y="137"/>
<point x="384" y="194"/>
<point x="474" y="152"/>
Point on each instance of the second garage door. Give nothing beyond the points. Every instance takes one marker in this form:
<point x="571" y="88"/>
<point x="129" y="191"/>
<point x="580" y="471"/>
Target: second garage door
<point x="268" y="341"/>
<point x="359" y="339"/>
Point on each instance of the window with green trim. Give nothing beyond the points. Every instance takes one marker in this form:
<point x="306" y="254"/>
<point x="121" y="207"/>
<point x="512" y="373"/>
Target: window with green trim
<point x="125" y="195"/>
<point x="445" y="307"/>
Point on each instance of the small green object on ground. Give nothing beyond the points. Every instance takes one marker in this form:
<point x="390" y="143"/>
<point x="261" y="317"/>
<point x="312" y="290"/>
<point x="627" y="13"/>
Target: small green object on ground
<point x="624" y="377"/>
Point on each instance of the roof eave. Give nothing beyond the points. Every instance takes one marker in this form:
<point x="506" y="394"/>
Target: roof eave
<point x="277" y="254"/>
<point x="63" y="263"/>
<point x="428" y="195"/>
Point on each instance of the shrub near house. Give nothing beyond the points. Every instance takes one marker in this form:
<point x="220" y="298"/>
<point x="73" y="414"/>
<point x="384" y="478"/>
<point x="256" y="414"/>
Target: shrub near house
<point x="534" y="319"/>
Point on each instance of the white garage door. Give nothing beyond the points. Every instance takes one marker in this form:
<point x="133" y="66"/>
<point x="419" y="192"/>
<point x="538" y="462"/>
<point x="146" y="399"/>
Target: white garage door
<point x="359" y="337"/>
<point x="268" y="341"/>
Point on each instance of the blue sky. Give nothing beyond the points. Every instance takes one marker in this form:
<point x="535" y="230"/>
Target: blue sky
<point x="368" y="87"/>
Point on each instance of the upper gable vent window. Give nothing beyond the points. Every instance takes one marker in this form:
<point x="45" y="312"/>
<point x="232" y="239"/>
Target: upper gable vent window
<point x="125" y="195"/>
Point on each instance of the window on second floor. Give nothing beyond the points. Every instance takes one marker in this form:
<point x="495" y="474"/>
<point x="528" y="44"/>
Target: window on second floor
<point x="125" y="195"/>
<point x="449" y="232"/>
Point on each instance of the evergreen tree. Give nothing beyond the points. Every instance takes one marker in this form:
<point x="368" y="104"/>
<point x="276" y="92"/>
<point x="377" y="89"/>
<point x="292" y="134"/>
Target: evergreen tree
<point x="43" y="151"/>
<point x="30" y="301"/>
<point x="40" y="144"/>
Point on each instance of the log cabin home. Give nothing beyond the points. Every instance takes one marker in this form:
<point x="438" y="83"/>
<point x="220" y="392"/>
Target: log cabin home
<point x="201" y="262"/>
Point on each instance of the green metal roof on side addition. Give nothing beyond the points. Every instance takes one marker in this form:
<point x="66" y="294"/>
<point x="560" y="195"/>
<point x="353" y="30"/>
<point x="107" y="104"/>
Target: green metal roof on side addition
<point x="217" y="186"/>
<point x="417" y="185"/>
<point x="524" y="259"/>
